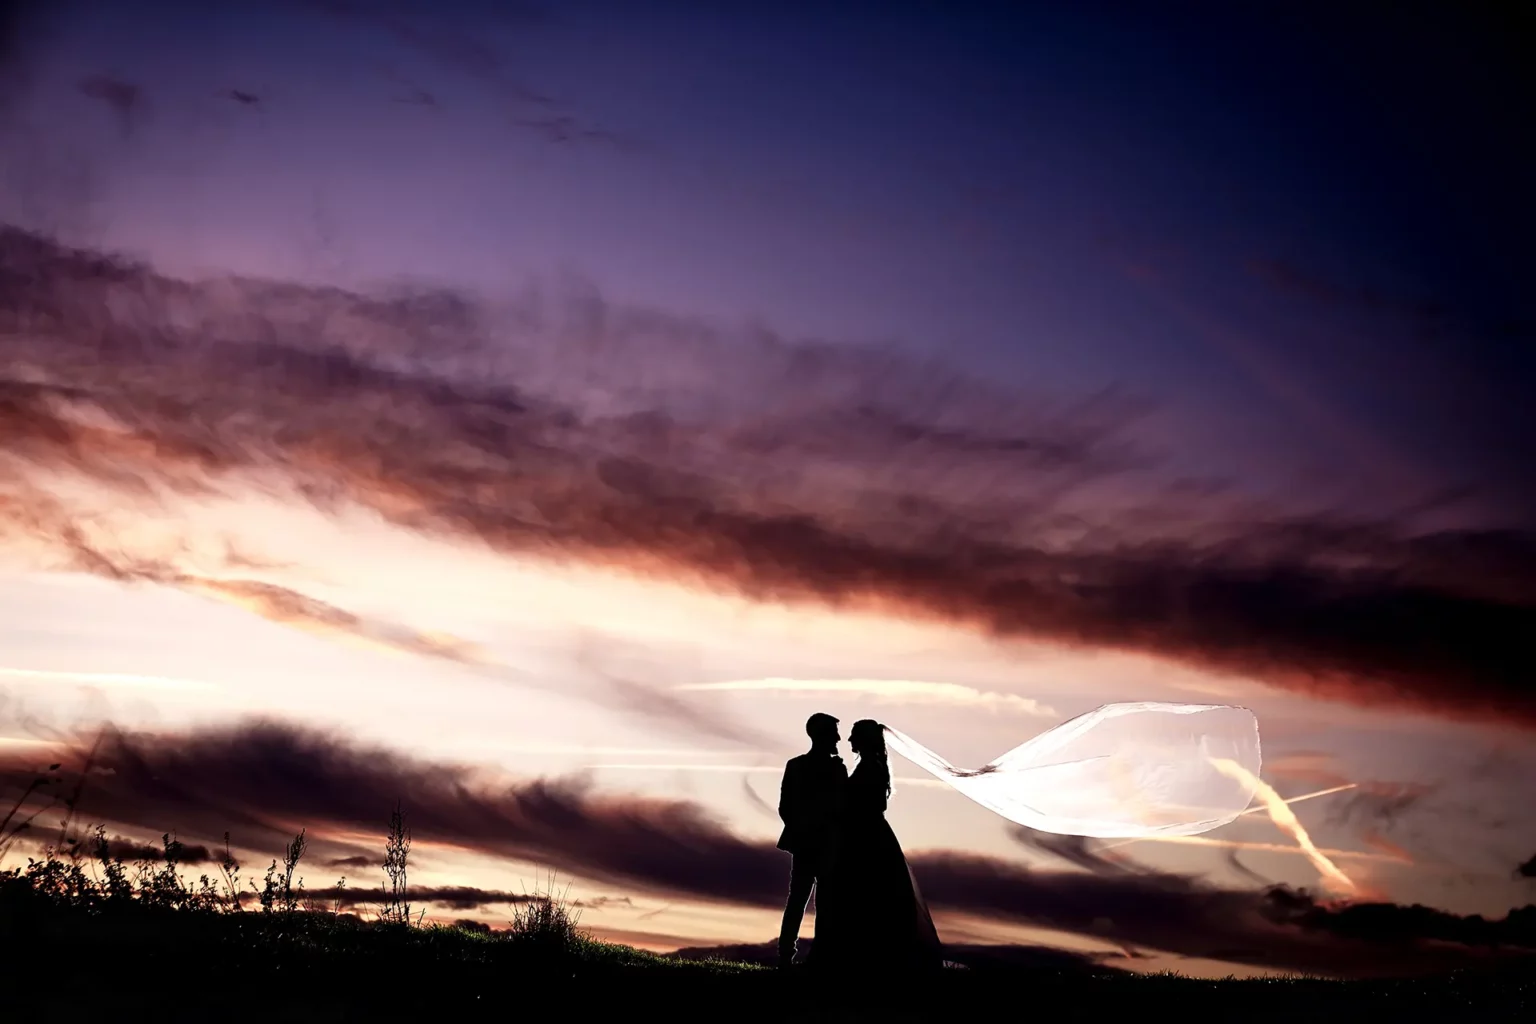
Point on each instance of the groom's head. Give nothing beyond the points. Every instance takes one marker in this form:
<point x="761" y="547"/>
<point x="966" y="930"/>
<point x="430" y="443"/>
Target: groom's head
<point x="822" y="729"/>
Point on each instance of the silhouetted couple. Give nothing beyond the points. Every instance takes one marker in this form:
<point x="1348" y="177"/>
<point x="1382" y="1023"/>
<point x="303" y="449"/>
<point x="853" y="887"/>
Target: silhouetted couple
<point x="870" y="915"/>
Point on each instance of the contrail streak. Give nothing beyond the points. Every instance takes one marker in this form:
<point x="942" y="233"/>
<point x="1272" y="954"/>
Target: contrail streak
<point x="1252" y="810"/>
<point x="1238" y="844"/>
<point x="1282" y="815"/>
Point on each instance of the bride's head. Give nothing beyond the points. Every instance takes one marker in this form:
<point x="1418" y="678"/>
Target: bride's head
<point x="867" y="738"/>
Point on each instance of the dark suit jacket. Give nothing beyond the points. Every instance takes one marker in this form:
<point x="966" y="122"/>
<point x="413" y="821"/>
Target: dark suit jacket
<point x="809" y="801"/>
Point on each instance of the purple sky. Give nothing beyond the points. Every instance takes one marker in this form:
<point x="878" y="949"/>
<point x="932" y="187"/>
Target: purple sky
<point x="1198" y="208"/>
<point x="807" y="245"/>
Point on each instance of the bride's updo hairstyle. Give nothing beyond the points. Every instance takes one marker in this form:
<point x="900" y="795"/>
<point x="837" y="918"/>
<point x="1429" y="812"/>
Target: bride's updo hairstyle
<point x="867" y="739"/>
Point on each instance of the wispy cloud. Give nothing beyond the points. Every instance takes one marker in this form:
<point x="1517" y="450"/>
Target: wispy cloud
<point x="444" y="43"/>
<point x="291" y="608"/>
<point x="626" y="686"/>
<point x="438" y="39"/>
<point x="49" y="523"/>
<point x="125" y="99"/>
<point x="894" y="691"/>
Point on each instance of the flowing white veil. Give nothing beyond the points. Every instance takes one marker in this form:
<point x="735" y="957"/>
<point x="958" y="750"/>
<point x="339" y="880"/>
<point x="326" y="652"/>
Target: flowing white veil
<point x="1121" y="771"/>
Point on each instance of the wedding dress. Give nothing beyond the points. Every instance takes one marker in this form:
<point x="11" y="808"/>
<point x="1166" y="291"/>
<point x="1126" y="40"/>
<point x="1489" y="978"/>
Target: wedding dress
<point x="870" y="914"/>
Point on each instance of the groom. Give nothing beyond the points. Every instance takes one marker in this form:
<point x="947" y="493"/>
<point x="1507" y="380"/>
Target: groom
<point x="809" y="800"/>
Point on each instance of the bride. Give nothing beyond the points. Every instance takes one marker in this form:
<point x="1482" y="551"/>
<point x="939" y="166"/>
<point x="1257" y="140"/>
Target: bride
<point x="869" y="912"/>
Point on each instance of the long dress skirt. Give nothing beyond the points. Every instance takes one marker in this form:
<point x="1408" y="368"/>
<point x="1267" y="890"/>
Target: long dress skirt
<point x="870" y="914"/>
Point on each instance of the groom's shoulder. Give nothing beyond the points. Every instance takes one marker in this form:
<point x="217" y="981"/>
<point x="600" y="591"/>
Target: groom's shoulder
<point x="802" y="764"/>
<point x="817" y="763"/>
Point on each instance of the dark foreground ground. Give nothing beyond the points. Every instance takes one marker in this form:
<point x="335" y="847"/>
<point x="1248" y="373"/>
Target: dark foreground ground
<point x="204" y="989"/>
<point x="181" y="966"/>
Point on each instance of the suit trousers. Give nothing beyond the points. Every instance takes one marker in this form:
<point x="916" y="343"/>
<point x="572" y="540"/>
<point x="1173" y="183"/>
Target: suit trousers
<point x="804" y="870"/>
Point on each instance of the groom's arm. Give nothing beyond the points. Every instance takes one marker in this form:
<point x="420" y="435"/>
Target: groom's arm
<point x="789" y="794"/>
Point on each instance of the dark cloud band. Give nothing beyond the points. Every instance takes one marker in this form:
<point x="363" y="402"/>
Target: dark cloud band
<point x="257" y="781"/>
<point x="797" y="473"/>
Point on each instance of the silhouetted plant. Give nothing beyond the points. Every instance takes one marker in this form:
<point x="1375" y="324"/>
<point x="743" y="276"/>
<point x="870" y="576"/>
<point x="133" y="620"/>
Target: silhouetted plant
<point x="230" y="868"/>
<point x="545" y="920"/>
<point x="164" y="886"/>
<point x="91" y="876"/>
<point x="396" y="855"/>
<point x="276" y="890"/>
<point x="116" y="886"/>
<point x="62" y="881"/>
<point x="208" y="896"/>
<point x="270" y="890"/>
<point x="290" y="861"/>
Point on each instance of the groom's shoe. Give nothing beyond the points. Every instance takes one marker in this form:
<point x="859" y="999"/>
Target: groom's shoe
<point x="786" y="954"/>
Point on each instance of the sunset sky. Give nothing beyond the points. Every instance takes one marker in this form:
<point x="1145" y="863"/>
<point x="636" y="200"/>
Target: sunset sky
<point x="533" y="412"/>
